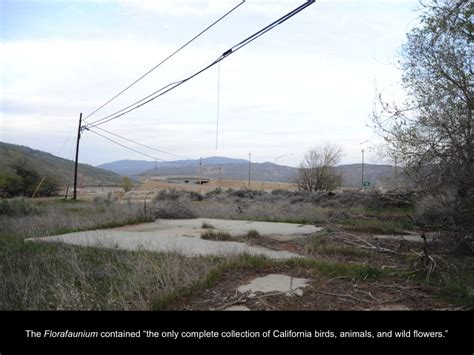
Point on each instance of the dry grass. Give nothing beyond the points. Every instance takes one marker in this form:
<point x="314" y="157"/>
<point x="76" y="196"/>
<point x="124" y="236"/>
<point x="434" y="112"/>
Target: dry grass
<point x="57" y="217"/>
<point x="206" y="225"/>
<point x="220" y="235"/>
<point x="276" y="211"/>
<point x="54" y="277"/>
<point x="152" y="185"/>
<point x="35" y="276"/>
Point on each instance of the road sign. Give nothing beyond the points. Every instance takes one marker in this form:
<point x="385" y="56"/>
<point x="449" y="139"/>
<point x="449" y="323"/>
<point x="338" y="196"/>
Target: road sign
<point x="366" y="184"/>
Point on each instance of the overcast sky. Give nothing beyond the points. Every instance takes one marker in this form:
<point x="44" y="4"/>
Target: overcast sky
<point x="309" y="81"/>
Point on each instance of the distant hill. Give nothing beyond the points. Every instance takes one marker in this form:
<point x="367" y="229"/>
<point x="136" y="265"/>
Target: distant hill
<point x="227" y="168"/>
<point x="137" y="167"/>
<point x="47" y="164"/>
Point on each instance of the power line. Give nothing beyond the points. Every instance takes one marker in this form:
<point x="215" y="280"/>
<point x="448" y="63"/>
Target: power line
<point x="174" y="85"/>
<point x="144" y="145"/>
<point x="126" y="147"/>
<point x="165" y="60"/>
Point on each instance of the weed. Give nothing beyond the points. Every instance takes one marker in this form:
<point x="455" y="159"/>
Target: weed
<point x="210" y="234"/>
<point x="253" y="233"/>
<point x="206" y="225"/>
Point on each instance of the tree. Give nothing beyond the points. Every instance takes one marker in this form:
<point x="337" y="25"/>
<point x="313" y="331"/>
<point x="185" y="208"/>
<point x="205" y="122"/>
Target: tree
<point x="24" y="182"/>
<point x="431" y="133"/>
<point x="316" y="172"/>
<point x="126" y="184"/>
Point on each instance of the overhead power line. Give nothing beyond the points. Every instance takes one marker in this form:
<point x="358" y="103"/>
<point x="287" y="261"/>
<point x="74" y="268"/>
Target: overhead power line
<point x="126" y="147"/>
<point x="166" y="59"/>
<point x="144" y="145"/>
<point x="167" y="88"/>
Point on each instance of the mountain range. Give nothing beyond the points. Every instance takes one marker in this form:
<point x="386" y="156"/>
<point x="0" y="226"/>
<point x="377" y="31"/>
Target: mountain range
<point x="109" y="174"/>
<point x="238" y="169"/>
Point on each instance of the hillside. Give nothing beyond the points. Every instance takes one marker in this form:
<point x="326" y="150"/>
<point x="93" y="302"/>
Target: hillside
<point x="47" y="164"/>
<point x="238" y="169"/>
<point x="138" y="167"/>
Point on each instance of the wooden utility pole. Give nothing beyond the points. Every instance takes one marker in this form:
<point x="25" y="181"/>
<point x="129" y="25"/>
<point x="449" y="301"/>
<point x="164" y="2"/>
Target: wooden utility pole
<point x="200" y="175"/>
<point x="77" y="156"/>
<point x="250" y="155"/>
<point x="220" y="176"/>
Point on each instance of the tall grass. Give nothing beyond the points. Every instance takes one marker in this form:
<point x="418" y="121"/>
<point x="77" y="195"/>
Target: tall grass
<point x="57" y="217"/>
<point x="60" y="277"/>
<point x="36" y="276"/>
<point x="271" y="211"/>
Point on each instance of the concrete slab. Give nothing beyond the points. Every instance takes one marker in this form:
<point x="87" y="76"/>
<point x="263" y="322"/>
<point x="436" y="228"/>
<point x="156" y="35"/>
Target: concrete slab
<point x="170" y="242"/>
<point x="275" y="283"/>
<point x="184" y="237"/>
<point x="193" y="227"/>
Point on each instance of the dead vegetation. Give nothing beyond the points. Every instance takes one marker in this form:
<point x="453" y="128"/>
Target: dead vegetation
<point x="350" y="265"/>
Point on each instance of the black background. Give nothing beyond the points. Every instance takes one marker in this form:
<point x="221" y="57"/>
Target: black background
<point x="459" y="338"/>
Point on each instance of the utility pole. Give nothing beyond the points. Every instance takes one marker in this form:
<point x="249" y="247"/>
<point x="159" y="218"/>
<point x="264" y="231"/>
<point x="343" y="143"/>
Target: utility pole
<point x="200" y="175"/>
<point x="250" y="155"/>
<point x="362" y="167"/>
<point x="77" y="156"/>
<point x="220" y="176"/>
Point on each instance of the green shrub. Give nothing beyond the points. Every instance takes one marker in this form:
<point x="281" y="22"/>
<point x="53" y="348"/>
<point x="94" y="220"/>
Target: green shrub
<point x="25" y="181"/>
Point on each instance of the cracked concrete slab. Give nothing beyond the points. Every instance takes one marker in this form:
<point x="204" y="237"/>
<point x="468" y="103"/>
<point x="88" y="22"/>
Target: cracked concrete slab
<point x="193" y="227"/>
<point x="172" y="242"/>
<point x="184" y="237"/>
<point x="287" y="285"/>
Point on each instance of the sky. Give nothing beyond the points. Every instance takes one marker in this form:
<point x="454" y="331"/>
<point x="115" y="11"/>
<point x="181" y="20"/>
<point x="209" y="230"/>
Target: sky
<point x="308" y="82"/>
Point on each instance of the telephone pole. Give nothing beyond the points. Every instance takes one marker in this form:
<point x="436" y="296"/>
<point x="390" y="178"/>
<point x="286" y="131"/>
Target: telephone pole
<point x="200" y="175"/>
<point x="220" y="176"/>
<point x="250" y="155"/>
<point x="77" y="156"/>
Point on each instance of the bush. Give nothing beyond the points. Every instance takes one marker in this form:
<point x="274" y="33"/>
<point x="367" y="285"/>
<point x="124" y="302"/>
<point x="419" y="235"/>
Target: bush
<point x="168" y="195"/>
<point x="247" y="193"/>
<point x="214" y="192"/>
<point x="25" y="181"/>
<point x="281" y="192"/>
<point x="445" y="210"/>
<point x="195" y="196"/>
<point x="206" y="225"/>
<point x="253" y="234"/>
<point x="126" y="184"/>
<point x="17" y="208"/>
<point x="172" y="210"/>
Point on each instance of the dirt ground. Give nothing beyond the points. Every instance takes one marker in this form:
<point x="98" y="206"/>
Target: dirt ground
<point x="339" y="293"/>
<point x="398" y="290"/>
